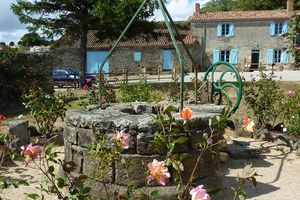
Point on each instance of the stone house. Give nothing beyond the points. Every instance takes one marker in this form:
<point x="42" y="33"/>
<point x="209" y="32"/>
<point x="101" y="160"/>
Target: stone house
<point x="244" y="38"/>
<point x="133" y="54"/>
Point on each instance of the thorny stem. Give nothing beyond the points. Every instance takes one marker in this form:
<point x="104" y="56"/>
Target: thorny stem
<point x="60" y="195"/>
<point x="106" y="191"/>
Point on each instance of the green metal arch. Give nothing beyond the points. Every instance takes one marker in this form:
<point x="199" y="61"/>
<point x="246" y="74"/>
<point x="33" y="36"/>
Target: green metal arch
<point x="219" y="86"/>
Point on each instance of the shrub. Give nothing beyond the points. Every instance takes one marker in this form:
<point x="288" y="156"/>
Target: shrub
<point x="21" y="72"/>
<point x="263" y="98"/>
<point x="46" y="108"/>
<point x="290" y="112"/>
<point x="131" y="93"/>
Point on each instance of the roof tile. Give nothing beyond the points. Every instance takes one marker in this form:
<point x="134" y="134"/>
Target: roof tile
<point x="242" y="15"/>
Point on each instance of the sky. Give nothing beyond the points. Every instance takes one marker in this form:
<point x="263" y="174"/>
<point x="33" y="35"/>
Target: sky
<point x="12" y="30"/>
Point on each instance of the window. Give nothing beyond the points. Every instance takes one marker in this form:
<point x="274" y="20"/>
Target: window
<point x="278" y="28"/>
<point x="137" y="56"/>
<point x="230" y="56"/>
<point x="277" y="56"/>
<point x="225" y="30"/>
<point x="225" y="55"/>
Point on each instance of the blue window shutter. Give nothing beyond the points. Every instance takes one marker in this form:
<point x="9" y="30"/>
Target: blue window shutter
<point x="216" y="56"/>
<point x="286" y="56"/>
<point x="272" y="29"/>
<point x="137" y="56"/>
<point x="270" y="56"/>
<point x="234" y="56"/>
<point x="285" y="27"/>
<point x="219" y="30"/>
<point x="231" y="30"/>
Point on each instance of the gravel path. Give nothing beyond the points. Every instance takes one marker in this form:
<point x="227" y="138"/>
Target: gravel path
<point x="279" y="174"/>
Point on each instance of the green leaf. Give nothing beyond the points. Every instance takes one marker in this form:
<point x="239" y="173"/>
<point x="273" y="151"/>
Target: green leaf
<point x="85" y="190"/>
<point x="60" y="182"/>
<point x="32" y="195"/>
<point x="51" y="170"/>
<point x="155" y="194"/>
<point x="181" y="140"/>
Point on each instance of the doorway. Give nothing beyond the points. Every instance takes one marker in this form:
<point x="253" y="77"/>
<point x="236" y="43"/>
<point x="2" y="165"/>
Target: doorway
<point x="255" y="59"/>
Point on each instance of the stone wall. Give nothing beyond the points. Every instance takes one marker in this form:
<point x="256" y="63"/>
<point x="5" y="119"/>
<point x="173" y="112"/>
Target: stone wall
<point x="249" y="35"/>
<point x="136" y="119"/>
<point x="123" y="58"/>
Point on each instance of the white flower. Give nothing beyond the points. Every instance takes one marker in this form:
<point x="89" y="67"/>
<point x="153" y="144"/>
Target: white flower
<point x="20" y="116"/>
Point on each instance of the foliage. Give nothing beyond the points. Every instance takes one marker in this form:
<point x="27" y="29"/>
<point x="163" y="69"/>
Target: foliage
<point x="230" y="5"/>
<point x="248" y="175"/>
<point x="46" y="108"/>
<point x="106" y="95"/>
<point x="290" y="112"/>
<point x="55" y="184"/>
<point x="131" y="93"/>
<point x="71" y="20"/>
<point x="293" y="39"/>
<point x="171" y="134"/>
<point x="107" y="150"/>
<point x="21" y="72"/>
<point x="33" y="39"/>
<point x="263" y="98"/>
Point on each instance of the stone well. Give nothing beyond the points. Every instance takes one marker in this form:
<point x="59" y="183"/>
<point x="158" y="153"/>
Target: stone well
<point x="137" y="120"/>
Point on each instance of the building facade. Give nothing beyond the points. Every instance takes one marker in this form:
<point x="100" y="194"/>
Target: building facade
<point x="246" y="39"/>
<point x="133" y="55"/>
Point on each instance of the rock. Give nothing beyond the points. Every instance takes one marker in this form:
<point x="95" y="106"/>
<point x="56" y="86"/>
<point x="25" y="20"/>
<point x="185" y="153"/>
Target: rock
<point x="33" y="131"/>
<point x="224" y="157"/>
<point x="57" y="139"/>
<point x="240" y="151"/>
<point x="211" y="183"/>
<point x="263" y="135"/>
<point x="20" y="130"/>
<point x="208" y="165"/>
<point x="70" y="134"/>
<point x="136" y="171"/>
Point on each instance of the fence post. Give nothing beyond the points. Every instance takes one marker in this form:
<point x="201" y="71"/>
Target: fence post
<point x="158" y="73"/>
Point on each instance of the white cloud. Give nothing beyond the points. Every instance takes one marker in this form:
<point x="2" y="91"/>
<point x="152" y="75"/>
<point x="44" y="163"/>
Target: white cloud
<point x="180" y="9"/>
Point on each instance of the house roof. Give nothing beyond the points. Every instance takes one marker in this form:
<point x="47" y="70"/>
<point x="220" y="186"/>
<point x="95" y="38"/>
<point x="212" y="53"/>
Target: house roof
<point x="242" y="15"/>
<point x="163" y="39"/>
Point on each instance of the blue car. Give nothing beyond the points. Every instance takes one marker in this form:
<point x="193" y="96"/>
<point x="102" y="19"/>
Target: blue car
<point x="65" y="77"/>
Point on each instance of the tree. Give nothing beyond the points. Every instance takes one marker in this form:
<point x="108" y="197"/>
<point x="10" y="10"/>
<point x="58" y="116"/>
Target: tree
<point x="11" y="44"/>
<point x="293" y="39"/>
<point x="2" y="44"/>
<point x="71" y="20"/>
<point x="33" y="39"/>
<point x="219" y="5"/>
<point x="229" y="5"/>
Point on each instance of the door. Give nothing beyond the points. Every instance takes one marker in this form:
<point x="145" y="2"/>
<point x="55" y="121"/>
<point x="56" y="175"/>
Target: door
<point x="168" y="60"/>
<point x="95" y="59"/>
<point x="255" y="59"/>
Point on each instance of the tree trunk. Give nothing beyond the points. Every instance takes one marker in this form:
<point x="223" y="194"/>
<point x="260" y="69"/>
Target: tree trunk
<point x="82" y="53"/>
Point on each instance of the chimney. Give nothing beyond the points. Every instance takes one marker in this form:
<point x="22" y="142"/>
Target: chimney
<point x="290" y="5"/>
<point x="198" y="10"/>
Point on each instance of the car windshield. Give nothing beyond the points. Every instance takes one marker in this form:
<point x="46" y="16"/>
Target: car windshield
<point x="72" y="71"/>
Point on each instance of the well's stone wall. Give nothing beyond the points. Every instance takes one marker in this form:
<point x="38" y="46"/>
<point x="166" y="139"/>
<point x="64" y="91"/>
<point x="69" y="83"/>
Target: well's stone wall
<point x="136" y="119"/>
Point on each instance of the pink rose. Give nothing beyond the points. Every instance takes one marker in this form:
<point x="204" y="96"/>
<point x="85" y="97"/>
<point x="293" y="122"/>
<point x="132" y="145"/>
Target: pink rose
<point x="31" y="152"/>
<point x="291" y="92"/>
<point x="199" y="193"/>
<point x="85" y="87"/>
<point x="158" y="172"/>
<point x="123" y="139"/>
<point x="209" y="141"/>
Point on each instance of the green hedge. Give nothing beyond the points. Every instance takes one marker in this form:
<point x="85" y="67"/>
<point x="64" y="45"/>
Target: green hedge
<point x="20" y="72"/>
